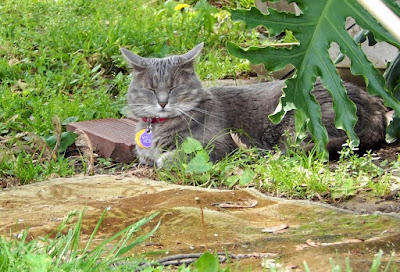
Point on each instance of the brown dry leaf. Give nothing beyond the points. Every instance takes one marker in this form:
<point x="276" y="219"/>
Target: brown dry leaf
<point x="142" y="171"/>
<point x="312" y="243"/>
<point x="40" y="144"/>
<point x="248" y="203"/>
<point x="349" y="241"/>
<point x="291" y="267"/>
<point x="19" y="86"/>
<point x="234" y="172"/>
<point x="275" y="229"/>
<point x="155" y="245"/>
<point x="13" y="61"/>
<point x="257" y="255"/>
<point x="85" y="145"/>
<point x="94" y="59"/>
<point x="236" y="139"/>
<point x="301" y="247"/>
<point x="56" y="121"/>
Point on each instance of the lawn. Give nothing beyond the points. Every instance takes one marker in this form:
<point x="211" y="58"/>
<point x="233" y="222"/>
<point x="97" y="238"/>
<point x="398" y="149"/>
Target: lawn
<point x="60" y="62"/>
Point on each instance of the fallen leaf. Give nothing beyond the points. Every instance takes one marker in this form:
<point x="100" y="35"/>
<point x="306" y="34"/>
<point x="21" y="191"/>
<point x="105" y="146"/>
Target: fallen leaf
<point x="13" y="61"/>
<point x="349" y="241"/>
<point x="19" y="86"/>
<point x="270" y="263"/>
<point x="236" y="139"/>
<point x="291" y="267"/>
<point x="275" y="229"/>
<point x="248" y="203"/>
<point x="312" y="243"/>
<point x="257" y="255"/>
<point x="301" y="247"/>
<point x="156" y="245"/>
<point x="83" y="143"/>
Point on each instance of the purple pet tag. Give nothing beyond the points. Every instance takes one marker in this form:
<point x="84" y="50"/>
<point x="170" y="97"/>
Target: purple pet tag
<point x="143" y="138"/>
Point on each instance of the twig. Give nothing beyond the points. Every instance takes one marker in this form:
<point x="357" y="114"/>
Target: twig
<point x="186" y="259"/>
<point x="203" y="225"/>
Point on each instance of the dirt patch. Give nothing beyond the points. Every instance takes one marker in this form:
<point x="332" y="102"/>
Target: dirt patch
<point x="389" y="152"/>
<point x="367" y="203"/>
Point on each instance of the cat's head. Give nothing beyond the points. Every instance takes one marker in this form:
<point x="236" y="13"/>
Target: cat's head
<point x="163" y="87"/>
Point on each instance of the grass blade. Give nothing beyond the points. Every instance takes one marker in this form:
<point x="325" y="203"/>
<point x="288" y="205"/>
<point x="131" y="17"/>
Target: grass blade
<point x="94" y="232"/>
<point x="376" y="262"/>
<point x="138" y="241"/>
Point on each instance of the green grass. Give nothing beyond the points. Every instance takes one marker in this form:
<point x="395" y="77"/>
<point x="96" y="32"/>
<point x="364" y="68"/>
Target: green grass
<point x="60" y="62"/>
<point x="65" y="253"/>
<point x="61" y="58"/>
<point x="295" y="175"/>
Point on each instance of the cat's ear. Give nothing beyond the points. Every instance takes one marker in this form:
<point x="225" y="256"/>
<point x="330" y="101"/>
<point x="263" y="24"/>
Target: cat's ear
<point x="135" y="62"/>
<point x="192" y="54"/>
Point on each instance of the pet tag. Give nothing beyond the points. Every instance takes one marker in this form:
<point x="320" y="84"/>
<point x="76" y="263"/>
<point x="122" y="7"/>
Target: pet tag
<point x="143" y="138"/>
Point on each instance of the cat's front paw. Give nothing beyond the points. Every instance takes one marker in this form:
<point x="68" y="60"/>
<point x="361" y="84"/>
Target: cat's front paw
<point x="165" y="159"/>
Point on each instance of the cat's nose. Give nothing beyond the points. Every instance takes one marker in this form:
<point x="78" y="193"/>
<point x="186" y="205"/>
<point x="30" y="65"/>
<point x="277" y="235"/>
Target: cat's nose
<point x="162" y="104"/>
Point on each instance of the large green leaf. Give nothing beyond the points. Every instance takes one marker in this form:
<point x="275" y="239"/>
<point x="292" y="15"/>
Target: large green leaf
<point x="321" y="23"/>
<point x="207" y="263"/>
<point x="199" y="164"/>
<point x="191" y="145"/>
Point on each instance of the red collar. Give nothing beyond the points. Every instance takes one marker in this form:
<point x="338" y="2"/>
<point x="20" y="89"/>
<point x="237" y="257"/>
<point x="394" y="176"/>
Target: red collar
<point x="154" y="120"/>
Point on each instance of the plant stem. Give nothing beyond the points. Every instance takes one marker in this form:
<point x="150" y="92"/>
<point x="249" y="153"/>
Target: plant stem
<point x="203" y="225"/>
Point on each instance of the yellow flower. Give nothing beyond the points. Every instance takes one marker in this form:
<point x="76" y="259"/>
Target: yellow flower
<point x="179" y="7"/>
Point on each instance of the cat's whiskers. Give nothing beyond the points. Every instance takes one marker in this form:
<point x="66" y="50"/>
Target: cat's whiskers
<point x="208" y="113"/>
<point x="139" y="109"/>
<point x="191" y="118"/>
<point x="185" y="118"/>
<point x="139" y="105"/>
<point x="202" y="111"/>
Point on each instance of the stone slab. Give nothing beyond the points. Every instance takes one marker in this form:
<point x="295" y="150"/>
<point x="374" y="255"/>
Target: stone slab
<point x="314" y="233"/>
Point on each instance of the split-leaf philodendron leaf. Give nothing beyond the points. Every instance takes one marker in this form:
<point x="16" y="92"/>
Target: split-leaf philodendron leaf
<point x="321" y="23"/>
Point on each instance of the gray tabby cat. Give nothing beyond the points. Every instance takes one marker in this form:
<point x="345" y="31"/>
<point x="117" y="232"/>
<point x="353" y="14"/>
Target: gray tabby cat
<point x="168" y="98"/>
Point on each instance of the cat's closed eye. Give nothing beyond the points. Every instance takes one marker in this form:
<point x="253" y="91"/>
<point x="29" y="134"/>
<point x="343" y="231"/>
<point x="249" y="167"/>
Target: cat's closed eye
<point x="151" y="89"/>
<point x="173" y="88"/>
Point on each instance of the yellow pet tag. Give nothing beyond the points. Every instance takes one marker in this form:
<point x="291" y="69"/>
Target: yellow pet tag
<point x="143" y="138"/>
